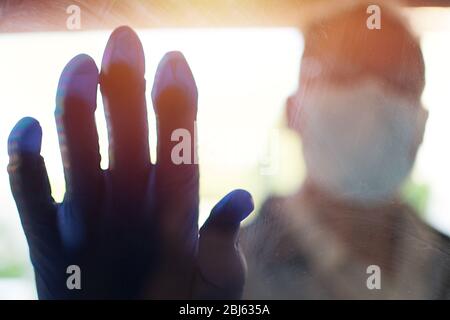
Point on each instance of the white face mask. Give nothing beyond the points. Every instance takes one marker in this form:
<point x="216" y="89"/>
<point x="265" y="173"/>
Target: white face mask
<point x="358" y="143"/>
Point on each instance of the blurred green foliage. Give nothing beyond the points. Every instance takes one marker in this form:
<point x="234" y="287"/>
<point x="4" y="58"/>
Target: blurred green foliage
<point x="417" y="196"/>
<point x="12" y="270"/>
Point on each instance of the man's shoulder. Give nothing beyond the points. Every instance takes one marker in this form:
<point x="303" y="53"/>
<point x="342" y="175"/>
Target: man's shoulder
<point x="266" y="220"/>
<point x="423" y="228"/>
<point x="268" y="236"/>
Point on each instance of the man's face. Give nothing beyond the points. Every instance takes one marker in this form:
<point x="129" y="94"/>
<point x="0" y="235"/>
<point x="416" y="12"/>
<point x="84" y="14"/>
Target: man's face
<point x="359" y="140"/>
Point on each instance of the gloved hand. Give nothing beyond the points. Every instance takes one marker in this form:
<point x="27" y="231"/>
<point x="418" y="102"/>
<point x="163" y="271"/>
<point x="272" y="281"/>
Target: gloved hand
<point x="132" y="229"/>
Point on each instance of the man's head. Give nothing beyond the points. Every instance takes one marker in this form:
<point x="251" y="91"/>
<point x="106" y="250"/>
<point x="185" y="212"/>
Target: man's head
<point x="358" y="107"/>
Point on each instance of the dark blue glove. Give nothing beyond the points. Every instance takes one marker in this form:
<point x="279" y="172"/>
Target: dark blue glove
<point x="131" y="229"/>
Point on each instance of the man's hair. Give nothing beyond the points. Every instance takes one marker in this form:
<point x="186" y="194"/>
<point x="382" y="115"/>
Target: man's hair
<point x="342" y="49"/>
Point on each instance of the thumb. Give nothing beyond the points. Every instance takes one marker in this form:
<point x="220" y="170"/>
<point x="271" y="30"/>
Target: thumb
<point x="221" y="264"/>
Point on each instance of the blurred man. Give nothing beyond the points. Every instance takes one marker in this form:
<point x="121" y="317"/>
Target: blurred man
<point x="347" y="233"/>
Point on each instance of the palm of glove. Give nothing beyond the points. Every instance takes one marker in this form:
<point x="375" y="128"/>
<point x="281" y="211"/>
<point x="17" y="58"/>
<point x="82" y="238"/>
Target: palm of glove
<point x="132" y="229"/>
